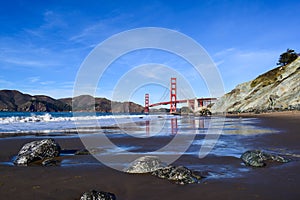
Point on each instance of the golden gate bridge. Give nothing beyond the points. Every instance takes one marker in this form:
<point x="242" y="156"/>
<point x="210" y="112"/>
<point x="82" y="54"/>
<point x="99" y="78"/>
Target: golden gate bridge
<point x="192" y="103"/>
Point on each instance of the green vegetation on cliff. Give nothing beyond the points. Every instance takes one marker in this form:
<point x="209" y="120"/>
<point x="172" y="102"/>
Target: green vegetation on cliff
<point x="287" y="57"/>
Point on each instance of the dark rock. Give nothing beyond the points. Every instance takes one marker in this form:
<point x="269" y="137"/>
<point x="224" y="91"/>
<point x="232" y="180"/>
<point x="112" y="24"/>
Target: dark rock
<point x="205" y="112"/>
<point x="95" y="195"/>
<point x="179" y="175"/>
<point x="144" y="164"/>
<point x="37" y="150"/>
<point x="88" y="151"/>
<point x="256" y="158"/>
<point x="152" y="164"/>
<point x="82" y="152"/>
<point x="50" y="162"/>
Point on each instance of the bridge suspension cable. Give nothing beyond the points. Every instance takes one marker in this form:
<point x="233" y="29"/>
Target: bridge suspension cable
<point x="165" y="95"/>
<point x="173" y="99"/>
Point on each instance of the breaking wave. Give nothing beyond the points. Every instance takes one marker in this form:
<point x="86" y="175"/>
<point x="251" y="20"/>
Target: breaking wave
<point x="62" y="122"/>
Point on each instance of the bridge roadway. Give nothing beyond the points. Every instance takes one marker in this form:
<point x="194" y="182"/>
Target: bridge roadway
<point x="201" y="100"/>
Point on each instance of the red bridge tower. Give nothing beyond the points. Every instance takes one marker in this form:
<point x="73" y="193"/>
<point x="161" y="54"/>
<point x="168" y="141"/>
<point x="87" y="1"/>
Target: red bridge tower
<point x="173" y="96"/>
<point x="146" y="108"/>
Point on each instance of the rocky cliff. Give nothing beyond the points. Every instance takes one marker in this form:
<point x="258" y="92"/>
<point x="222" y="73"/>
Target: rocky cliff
<point x="277" y="89"/>
<point x="13" y="100"/>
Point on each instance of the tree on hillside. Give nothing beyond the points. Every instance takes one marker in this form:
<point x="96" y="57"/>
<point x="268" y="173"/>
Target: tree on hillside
<point x="287" y="57"/>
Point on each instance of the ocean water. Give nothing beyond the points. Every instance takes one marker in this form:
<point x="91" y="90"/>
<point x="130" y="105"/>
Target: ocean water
<point x="197" y="131"/>
<point x="163" y="135"/>
<point x="38" y="122"/>
<point x="60" y="121"/>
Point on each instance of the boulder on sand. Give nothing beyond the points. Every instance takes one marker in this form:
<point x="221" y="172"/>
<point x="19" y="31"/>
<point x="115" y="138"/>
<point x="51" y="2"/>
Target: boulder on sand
<point x="257" y="158"/>
<point x="37" y="150"/>
<point x="179" y="175"/>
<point x="153" y="165"/>
<point x="95" y="195"/>
<point x="144" y="164"/>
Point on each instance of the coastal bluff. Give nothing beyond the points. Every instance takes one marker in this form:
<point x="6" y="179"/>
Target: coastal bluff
<point x="275" y="90"/>
<point x="16" y="101"/>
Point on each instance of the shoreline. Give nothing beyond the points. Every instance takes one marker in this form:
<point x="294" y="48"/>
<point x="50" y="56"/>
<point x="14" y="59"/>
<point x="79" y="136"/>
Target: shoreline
<point x="292" y="113"/>
<point x="275" y="181"/>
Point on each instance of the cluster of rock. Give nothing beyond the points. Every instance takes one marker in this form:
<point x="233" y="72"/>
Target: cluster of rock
<point x="47" y="150"/>
<point x="204" y="112"/>
<point x="153" y="165"/>
<point x="44" y="150"/>
<point x="257" y="158"/>
<point x="201" y="111"/>
<point x="275" y="90"/>
<point x="45" y="153"/>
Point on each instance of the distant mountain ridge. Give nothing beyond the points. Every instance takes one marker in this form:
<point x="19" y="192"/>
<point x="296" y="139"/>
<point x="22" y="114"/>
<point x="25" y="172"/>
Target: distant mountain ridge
<point x="275" y="90"/>
<point x="13" y="100"/>
<point x="89" y="103"/>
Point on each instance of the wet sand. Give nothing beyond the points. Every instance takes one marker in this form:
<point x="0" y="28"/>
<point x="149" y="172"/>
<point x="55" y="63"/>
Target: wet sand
<point x="227" y="176"/>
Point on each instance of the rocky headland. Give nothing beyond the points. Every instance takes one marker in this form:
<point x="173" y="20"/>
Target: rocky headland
<point x="275" y="90"/>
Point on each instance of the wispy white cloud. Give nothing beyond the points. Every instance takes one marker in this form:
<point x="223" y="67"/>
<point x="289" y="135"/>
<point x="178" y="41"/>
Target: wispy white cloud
<point x="52" y="21"/>
<point x="50" y="88"/>
<point x="33" y="79"/>
<point x="224" y="52"/>
<point x="52" y="92"/>
<point x="219" y="62"/>
<point x="5" y="84"/>
<point x="88" y="31"/>
<point x="237" y="65"/>
<point x="24" y="63"/>
<point x="47" y="82"/>
<point x="93" y="33"/>
<point x="43" y="46"/>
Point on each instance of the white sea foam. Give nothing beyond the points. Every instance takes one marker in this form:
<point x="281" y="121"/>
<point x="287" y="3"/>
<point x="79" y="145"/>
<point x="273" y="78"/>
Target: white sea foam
<point x="49" y="118"/>
<point x="49" y="123"/>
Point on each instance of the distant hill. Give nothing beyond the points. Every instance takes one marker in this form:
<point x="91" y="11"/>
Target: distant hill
<point x="277" y="89"/>
<point x="86" y="102"/>
<point x="13" y="100"/>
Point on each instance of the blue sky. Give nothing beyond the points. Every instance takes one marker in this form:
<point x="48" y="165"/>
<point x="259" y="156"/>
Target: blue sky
<point x="42" y="45"/>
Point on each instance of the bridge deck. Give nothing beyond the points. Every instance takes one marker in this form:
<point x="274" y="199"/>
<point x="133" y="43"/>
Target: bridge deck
<point x="181" y="101"/>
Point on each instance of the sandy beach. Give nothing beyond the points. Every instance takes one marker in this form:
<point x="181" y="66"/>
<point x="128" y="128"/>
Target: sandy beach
<point x="226" y="176"/>
<point x="150" y="100"/>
